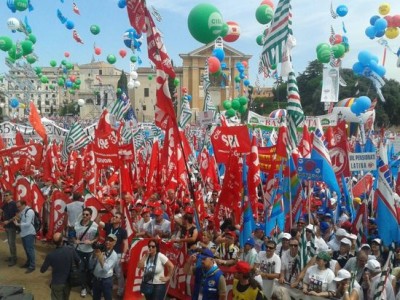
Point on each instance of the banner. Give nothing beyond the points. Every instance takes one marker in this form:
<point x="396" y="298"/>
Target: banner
<point x="33" y="152"/>
<point x="268" y="159"/>
<point x="310" y="169"/>
<point x="330" y="84"/>
<point x="362" y="161"/>
<point x="230" y="139"/>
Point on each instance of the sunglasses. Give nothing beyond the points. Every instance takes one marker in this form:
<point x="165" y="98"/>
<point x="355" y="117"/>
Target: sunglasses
<point x="270" y="248"/>
<point x="151" y="246"/>
<point x="85" y="215"/>
<point x="291" y="245"/>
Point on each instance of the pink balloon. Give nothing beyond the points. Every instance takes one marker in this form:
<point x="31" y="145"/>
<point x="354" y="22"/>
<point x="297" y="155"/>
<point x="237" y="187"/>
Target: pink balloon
<point x="213" y="64"/>
<point x="245" y="64"/>
<point x="97" y="51"/>
<point x="66" y="54"/>
<point x="122" y="53"/>
<point x="270" y="3"/>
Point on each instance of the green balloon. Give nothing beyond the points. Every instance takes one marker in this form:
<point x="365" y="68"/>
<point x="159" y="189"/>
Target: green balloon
<point x="27" y="47"/>
<point x="324" y="56"/>
<point x="78" y="82"/>
<point x="5" y="43"/>
<point x="72" y="92"/>
<point x="150" y="77"/>
<point x="53" y="63"/>
<point x="133" y="58"/>
<point x="243" y="109"/>
<point x="264" y="14"/>
<point x="338" y="50"/>
<point x="111" y="59"/>
<point x="119" y="90"/>
<point x="38" y="70"/>
<point x="237" y="79"/>
<point x="30" y="59"/>
<point x="176" y="81"/>
<point x="95" y="29"/>
<point x="32" y="38"/>
<point x="230" y="113"/>
<point x="259" y="40"/>
<point x="61" y="82"/>
<point x="273" y="66"/>
<point x="243" y="100"/>
<point x="21" y="5"/>
<point x="13" y="53"/>
<point x="323" y="46"/>
<point x="69" y="66"/>
<point x="235" y="104"/>
<point x="63" y="62"/>
<point x="205" y="23"/>
<point x="44" y="79"/>
<point x="224" y="30"/>
<point x="227" y="104"/>
<point x="52" y="87"/>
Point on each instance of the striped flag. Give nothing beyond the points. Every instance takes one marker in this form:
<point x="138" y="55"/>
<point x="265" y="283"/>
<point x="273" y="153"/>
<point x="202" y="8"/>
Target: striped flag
<point x="380" y="292"/>
<point x="75" y="140"/>
<point x="208" y="104"/>
<point x="277" y="35"/>
<point x="294" y="109"/>
<point x="121" y="106"/>
<point x="303" y="253"/>
<point x="186" y="113"/>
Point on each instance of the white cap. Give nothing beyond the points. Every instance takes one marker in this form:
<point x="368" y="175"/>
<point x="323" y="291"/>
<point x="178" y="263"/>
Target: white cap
<point x="333" y="201"/>
<point x="341" y="232"/>
<point x="365" y="246"/>
<point x="346" y="241"/>
<point x="286" y="235"/>
<point x="310" y="227"/>
<point x="342" y="274"/>
<point x="378" y="241"/>
<point x="351" y="236"/>
<point x="373" y="265"/>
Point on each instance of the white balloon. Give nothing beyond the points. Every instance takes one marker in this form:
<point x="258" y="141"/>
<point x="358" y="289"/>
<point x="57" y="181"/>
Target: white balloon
<point x="134" y="75"/>
<point x="347" y="115"/>
<point x="81" y="102"/>
<point x="13" y="24"/>
<point x="2" y="105"/>
<point x="131" y="84"/>
<point x="136" y="84"/>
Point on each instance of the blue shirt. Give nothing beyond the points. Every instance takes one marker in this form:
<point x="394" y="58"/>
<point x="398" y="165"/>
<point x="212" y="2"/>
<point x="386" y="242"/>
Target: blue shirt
<point x="27" y="215"/>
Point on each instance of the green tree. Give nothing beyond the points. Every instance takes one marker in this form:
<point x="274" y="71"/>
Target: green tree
<point x="123" y="82"/>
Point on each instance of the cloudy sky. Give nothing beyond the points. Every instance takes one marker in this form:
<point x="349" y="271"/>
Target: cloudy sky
<point x="312" y="23"/>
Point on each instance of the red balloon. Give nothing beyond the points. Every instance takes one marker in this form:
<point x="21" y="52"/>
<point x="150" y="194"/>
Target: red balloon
<point x="184" y="90"/>
<point x="66" y="54"/>
<point x="245" y="64"/>
<point x="213" y="64"/>
<point x="72" y="78"/>
<point x="338" y="39"/>
<point x="395" y="21"/>
<point x="97" y="51"/>
<point x="389" y="20"/>
<point x="122" y="53"/>
<point x="270" y="3"/>
<point x="233" y="32"/>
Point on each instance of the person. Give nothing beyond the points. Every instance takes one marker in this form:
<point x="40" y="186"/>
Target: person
<point x="188" y="232"/>
<point x="227" y="252"/>
<point x="244" y="284"/>
<point x="249" y="254"/>
<point x="143" y="226"/>
<point x="154" y="265"/>
<point x="290" y="264"/>
<point x="102" y="263"/>
<point x="9" y="211"/>
<point x="343" y="292"/>
<point x="356" y="264"/>
<point x="334" y="243"/>
<point x="60" y="260"/>
<point x="372" y="279"/>
<point x="160" y="227"/>
<point x="343" y="255"/>
<point x="318" y="280"/>
<point x="28" y="233"/>
<point x="209" y="281"/>
<point x="86" y="236"/>
<point x="120" y="247"/>
<point x="74" y="211"/>
<point x="284" y="245"/>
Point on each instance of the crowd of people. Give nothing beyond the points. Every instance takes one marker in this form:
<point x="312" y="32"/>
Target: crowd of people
<point x="264" y="267"/>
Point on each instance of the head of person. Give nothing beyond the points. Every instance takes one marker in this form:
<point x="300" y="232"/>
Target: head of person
<point x="270" y="247"/>
<point x="373" y="266"/>
<point x="345" y="245"/>
<point x="207" y="259"/>
<point x="309" y="231"/>
<point x="21" y="204"/>
<point x="171" y="194"/>
<point x="372" y="224"/>
<point x="214" y="197"/>
<point x="76" y="197"/>
<point x="293" y="247"/>
<point x="375" y="245"/>
<point x="342" y="278"/>
<point x="323" y="259"/>
<point x="241" y="270"/>
<point x="117" y="218"/>
<point x="87" y="214"/>
<point x="249" y="244"/>
<point x="285" y="240"/>
<point x="111" y="239"/>
<point x="58" y="239"/>
<point x="145" y="213"/>
<point x="153" y="247"/>
<point x="301" y="222"/>
<point x="230" y="237"/>
<point x="158" y="214"/>
<point x="8" y="196"/>
<point x="362" y="259"/>
<point x="206" y="237"/>
<point x="259" y="231"/>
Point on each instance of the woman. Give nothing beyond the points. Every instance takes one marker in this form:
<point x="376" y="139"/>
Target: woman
<point x="318" y="280"/>
<point x="188" y="233"/>
<point x="206" y="242"/>
<point x="154" y="264"/>
<point x="343" y="291"/>
<point x="244" y="284"/>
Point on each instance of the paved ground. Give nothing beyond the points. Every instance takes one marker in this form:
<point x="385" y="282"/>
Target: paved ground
<point x="35" y="282"/>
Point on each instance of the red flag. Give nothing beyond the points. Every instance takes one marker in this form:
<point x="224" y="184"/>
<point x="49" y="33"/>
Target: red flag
<point x="305" y="143"/>
<point x="360" y="223"/>
<point x="36" y="122"/>
<point x="339" y="149"/>
<point x="363" y="186"/>
<point x="253" y="174"/>
<point x="19" y="139"/>
<point x="126" y="179"/>
<point x="90" y="169"/>
<point x="78" y="176"/>
<point x="282" y="143"/>
<point x="152" y="175"/>
<point x="57" y="216"/>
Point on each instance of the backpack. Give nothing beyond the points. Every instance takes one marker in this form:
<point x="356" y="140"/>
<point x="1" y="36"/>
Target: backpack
<point x="37" y="222"/>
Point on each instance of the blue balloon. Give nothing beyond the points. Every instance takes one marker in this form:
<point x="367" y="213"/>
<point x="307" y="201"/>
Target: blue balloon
<point x="364" y="57"/>
<point x="240" y="69"/>
<point x="69" y="24"/>
<point x="345" y="39"/>
<point x="342" y="10"/>
<point x="14" y="103"/>
<point x="363" y="103"/>
<point x="121" y="3"/>
<point x="68" y="83"/>
<point x="246" y="82"/>
<point x="380" y="34"/>
<point x="189" y="97"/>
<point x="358" y="68"/>
<point x="380" y="24"/>
<point x="370" y="32"/>
<point x="242" y="75"/>
<point x="11" y="6"/>
<point x="128" y="37"/>
<point x="219" y="53"/>
<point x="355" y="109"/>
<point x="373" y="19"/>
<point x="223" y="65"/>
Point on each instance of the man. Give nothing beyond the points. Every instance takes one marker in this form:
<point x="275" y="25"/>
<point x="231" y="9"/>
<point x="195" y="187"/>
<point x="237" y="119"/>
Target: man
<point x="210" y="282"/>
<point x="74" y="211"/>
<point x="249" y="254"/>
<point x="259" y="235"/>
<point x="357" y="264"/>
<point x="227" y="252"/>
<point x="334" y="243"/>
<point x="343" y="255"/>
<point x="284" y="245"/>
<point x="242" y="287"/>
<point x="28" y="233"/>
<point x="120" y="247"/>
<point x="60" y="261"/>
<point x="372" y="280"/>
<point x="269" y="267"/>
<point x="9" y="211"/>
<point x="343" y="280"/>
<point x="104" y="263"/>
<point x="159" y="227"/>
<point x="290" y="268"/>
<point x="86" y="236"/>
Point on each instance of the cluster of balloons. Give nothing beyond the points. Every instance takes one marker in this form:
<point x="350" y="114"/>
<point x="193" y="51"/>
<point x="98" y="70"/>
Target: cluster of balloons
<point x="241" y="68"/>
<point x="234" y="106"/>
<point x="339" y="48"/>
<point x="132" y="39"/>
<point x="360" y="105"/>
<point x="215" y="61"/>
<point x="386" y="25"/>
<point x="367" y="63"/>
<point x="133" y="83"/>
<point x="19" y="5"/>
<point x="265" y="12"/>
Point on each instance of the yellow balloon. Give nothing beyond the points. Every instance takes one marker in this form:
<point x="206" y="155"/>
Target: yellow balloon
<point x="22" y="105"/>
<point x="384" y="9"/>
<point x="392" y="32"/>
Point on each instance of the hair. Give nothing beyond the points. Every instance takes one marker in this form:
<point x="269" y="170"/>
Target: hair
<point x="120" y="214"/>
<point x="8" y="192"/>
<point x="156" y="243"/>
<point x="21" y="202"/>
<point x="89" y="210"/>
<point x="293" y="239"/>
<point x="188" y="218"/>
<point x="76" y="196"/>
<point x="271" y="242"/>
<point x="293" y="231"/>
<point x="58" y="239"/>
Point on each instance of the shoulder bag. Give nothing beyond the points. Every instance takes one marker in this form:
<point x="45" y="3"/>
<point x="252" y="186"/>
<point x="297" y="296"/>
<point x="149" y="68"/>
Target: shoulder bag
<point x="146" y="288"/>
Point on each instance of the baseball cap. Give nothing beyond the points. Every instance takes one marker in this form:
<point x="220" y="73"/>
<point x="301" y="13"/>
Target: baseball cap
<point x="112" y="236"/>
<point x="378" y="241"/>
<point x="250" y="241"/>
<point x="357" y="200"/>
<point x="207" y="253"/>
<point x="145" y="210"/>
<point x="310" y="227"/>
<point x="241" y="267"/>
<point x="333" y="201"/>
<point x="365" y="246"/>
<point x="372" y="220"/>
<point x="373" y="265"/>
<point x="324" y="255"/>
<point x="328" y="215"/>
<point x="286" y="235"/>
<point x="346" y="241"/>
<point x="321" y="211"/>
<point x="323" y="226"/>
<point x="259" y="226"/>
<point x="341" y="232"/>
<point x="342" y="274"/>
<point x="158" y="212"/>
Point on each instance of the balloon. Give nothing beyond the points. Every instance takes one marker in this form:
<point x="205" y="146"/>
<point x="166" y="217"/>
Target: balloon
<point x="32" y="38"/>
<point x="78" y="81"/>
<point x="30" y="59"/>
<point x="380" y="24"/>
<point x="235" y="104"/>
<point x="38" y="70"/>
<point x="134" y="75"/>
<point x="72" y="78"/>
<point x="205" y="23"/>
<point x="133" y="58"/>
<point x="97" y="50"/>
<point x="111" y="59"/>
<point x="69" y="66"/>
<point x="122" y="53"/>
<point x="66" y="54"/>
<point x="150" y="77"/>
<point x="44" y="79"/>
<point x="363" y="103"/>
<point x="243" y="109"/>
<point x="338" y="39"/>
<point x="373" y="19"/>
<point x="130" y="39"/>
<point x="264" y="14"/>
<point x="189" y="97"/>
<point x="224" y="30"/>
<point x="68" y="83"/>
<point x="121" y="4"/>
<point x="392" y="32"/>
<point x="338" y="50"/>
<point x="358" y="68"/>
<point x="245" y="64"/>
<point x="323" y="46"/>
<point x="5" y="43"/>
<point x="81" y="102"/>
<point x="370" y="32"/>
<point x="384" y="9"/>
<point x="223" y="65"/>
<point x="342" y="10"/>
<point x="227" y="104"/>
<point x="237" y="79"/>
<point x="380" y="33"/>
<point x="213" y="64"/>
<point x="230" y="113"/>
<point x="243" y="100"/>
<point x="259" y="39"/>
<point x="233" y="32"/>
<point x="95" y="29"/>
<point x="14" y="103"/>
<point x="69" y="25"/>
<point x="13" y="53"/>
<point x="270" y="3"/>
<point x="364" y="57"/>
<point x="21" y="5"/>
<point x="176" y="81"/>
<point x="246" y="82"/>
<point x="389" y="20"/>
<point x="324" y="55"/>
<point x="395" y="21"/>
<point x="27" y="47"/>
<point x="219" y="53"/>
<point x="13" y="24"/>
<point x="136" y="84"/>
<point x="131" y="84"/>
<point x="60" y="82"/>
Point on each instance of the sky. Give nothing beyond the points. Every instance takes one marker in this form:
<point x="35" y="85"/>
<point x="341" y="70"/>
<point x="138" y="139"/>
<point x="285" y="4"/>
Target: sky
<point x="312" y="23"/>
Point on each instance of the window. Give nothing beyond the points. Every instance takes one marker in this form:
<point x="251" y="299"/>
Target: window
<point x="100" y="72"/>
<point x="146" y="92"/>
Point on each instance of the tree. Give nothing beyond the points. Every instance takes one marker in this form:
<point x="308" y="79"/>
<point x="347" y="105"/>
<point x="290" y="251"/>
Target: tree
<point x="122" y="84"/>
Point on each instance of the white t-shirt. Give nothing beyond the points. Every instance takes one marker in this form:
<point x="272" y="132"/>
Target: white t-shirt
<point x="269" y="265"/>
<point x="159" y="271"/>
<point x="319" y="280"/>
<point x="143" y="226"/>
<point x="290" y="267"/>
<point x="74" y="212"/>
<point x="89" y="235"/>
